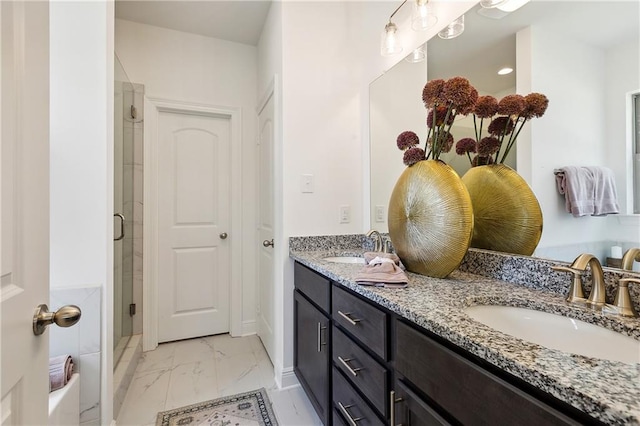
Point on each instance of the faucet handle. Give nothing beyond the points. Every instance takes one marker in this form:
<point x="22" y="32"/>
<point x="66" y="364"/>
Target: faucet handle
<point x="576" y="292"/>
<point x="623" y="298"/>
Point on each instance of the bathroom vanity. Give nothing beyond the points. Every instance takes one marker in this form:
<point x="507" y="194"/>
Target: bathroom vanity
<point x="375" y="356"/>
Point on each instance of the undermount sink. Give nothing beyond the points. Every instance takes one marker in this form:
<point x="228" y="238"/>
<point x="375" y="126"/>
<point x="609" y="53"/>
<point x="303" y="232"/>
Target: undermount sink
<point x="345" y="259"/>
<point x="558" y="332"/>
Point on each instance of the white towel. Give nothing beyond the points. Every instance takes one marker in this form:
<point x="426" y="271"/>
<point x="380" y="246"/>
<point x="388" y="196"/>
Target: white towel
<point x="60" y="370"/>
<point x="588" y="190"/>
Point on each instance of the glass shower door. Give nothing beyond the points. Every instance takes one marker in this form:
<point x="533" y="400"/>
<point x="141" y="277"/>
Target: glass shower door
<point x="123" y="211"/>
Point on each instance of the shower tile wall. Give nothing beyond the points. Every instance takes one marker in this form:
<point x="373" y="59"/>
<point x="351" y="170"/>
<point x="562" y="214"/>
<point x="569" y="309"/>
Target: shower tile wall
<point x="133" y="168"/>
<point x="82" y="342"/>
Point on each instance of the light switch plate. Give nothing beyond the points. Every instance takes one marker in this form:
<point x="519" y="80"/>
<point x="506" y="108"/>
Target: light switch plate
<point x="307" y="183"/>
<point x="345" y="214"/>
<point x="379" y="214"/>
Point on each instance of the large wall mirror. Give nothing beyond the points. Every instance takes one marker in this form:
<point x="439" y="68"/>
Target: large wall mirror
<point x="584" y="56"/>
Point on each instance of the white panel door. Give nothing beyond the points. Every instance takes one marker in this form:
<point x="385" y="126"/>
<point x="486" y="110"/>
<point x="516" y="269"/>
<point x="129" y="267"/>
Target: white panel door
<point x="266" y="294"/>
<point x="24" y="113"/>
<point x="193" y="225"/>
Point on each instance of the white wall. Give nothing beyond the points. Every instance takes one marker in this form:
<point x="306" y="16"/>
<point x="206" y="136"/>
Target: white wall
<point x="572" y="75"/>
<point x="186" y="67"/>
<point x="81" y="65"/>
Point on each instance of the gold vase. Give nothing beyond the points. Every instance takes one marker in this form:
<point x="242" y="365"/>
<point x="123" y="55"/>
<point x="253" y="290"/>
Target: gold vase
<point x="507" y="215"/>
<point x="430" y="218"/>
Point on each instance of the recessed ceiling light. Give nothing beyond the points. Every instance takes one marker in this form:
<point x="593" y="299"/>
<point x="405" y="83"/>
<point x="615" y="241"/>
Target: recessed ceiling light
<point x="505" y="71"/>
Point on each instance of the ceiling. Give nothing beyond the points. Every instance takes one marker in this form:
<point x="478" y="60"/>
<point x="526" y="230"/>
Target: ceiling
<point x="240" y="21"/>
<point x="490" y="44"/>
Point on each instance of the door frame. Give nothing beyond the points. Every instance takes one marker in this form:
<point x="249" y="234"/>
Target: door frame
<point x="152" y="109"/>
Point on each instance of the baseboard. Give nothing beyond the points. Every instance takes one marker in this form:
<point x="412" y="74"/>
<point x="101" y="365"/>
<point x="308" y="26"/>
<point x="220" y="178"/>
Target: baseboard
<point x="286" y="378"/>
<point x="248" y="328"/>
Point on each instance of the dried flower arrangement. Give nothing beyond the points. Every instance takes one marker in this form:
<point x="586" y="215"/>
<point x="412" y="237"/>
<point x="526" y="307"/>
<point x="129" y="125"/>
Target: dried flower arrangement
<point x="507" y="117"/>
<point x="445" y="100"/>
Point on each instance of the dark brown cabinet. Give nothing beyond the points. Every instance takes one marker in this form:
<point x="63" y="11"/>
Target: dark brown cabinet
<point x="312" y="345"/>
<point x="363" y="364"/>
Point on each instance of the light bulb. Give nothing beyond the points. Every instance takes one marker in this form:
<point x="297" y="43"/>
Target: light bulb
<point x="421" y="16"/>
<point x="389" y="44"/>
<point x="453" y="30"/>
<point x="416" y="56"/>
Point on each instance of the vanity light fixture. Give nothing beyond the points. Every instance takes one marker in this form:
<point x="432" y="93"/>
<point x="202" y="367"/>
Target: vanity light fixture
<point x="453" y="30"/>
<point x="418" y="55"/>
<point x="505" y="71"/>
<point x="389" y="44"/>
<point x="490" y="4"/>
<point x="421" y="16"/>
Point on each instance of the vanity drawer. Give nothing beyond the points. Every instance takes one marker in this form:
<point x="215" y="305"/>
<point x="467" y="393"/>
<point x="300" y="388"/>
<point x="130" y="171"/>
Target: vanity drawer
<point x="313" y="285"/>
<point x="366" y="322"/>
<point x="463" y="389"/>
<point x="345" y="398"/>
<point x="364" y="372"/>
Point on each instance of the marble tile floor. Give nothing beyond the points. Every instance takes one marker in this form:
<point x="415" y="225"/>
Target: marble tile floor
<point x="196" y="370"/>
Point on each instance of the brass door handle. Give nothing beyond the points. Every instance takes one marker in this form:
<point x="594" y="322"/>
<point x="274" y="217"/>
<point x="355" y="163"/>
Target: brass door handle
<point x="64" y="317"/>
<point x="268" y="243"/>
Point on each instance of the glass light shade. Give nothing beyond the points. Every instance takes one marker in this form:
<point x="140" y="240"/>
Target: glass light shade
<point x="421" y="16"/>
<point x="512" y="5"/>
<point x="453" y="30"/>
<point x="416" y="56"/>
<point x="489" y="4"/>
<point x="389" y="43"/>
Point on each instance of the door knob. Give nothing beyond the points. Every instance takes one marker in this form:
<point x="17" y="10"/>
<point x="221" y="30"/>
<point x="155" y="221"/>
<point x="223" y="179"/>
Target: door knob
<point x="223" y="236"/>
<point x="64" y="317"/>
<point x="268" y="243"/>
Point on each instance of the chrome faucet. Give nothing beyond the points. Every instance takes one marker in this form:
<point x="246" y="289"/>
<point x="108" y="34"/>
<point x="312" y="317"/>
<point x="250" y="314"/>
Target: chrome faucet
<point x="377" y="239"/>
<point x="628" y="258"/>
<point x="597" y="296"/>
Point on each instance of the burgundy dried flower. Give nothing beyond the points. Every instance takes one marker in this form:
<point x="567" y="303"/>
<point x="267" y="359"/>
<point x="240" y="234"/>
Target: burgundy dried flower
<point x="535" y="105"/>
<point x="501" y="124"/>
<point x="465" y="145"/>
<point x="458" y="92"/>
<point x="413" y="155"/>
<point x="488" y="146"/>
<point x="407" y="140"/>
<point x="480" y="160"/>
<point x="448" y="143"/>
<point x="432" y="93"/>
<point x="441" y="113"/>
<point x="511" y="105"/>
<point x="486" y="106"/>
<point x="467" y="108"/>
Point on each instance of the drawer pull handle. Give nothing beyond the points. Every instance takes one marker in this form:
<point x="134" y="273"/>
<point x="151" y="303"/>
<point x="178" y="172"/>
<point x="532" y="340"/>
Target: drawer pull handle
<point x="345" y="362"/>
<point x="351" y="420"/>
<point x="320" y="343"/>
<point x="392" y="407"/>
<point x="346" y="316"/>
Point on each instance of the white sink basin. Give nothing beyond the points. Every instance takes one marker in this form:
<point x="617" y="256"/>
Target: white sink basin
<point x="345" y="259"/>
<point x="558" y="332"/>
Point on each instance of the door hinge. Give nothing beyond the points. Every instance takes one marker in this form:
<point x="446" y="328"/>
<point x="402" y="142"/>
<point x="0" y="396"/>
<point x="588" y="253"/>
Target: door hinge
<point x="132" y="309"/>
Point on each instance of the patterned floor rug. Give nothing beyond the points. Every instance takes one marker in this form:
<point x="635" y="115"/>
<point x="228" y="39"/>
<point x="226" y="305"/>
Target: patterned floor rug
<point x="244" y="409"/>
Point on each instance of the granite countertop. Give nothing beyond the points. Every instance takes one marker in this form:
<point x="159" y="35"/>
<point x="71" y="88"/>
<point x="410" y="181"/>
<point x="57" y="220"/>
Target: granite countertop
<point x="608" y="391"/>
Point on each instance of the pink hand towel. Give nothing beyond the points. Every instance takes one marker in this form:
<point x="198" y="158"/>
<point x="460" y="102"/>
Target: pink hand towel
<point x="60" y="370"/>
<point x="382" y="272"/>
<point x="588" y="190"/>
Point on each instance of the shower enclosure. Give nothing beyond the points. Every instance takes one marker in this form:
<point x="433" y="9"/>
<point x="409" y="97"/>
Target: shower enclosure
<point x="127" y="206"/>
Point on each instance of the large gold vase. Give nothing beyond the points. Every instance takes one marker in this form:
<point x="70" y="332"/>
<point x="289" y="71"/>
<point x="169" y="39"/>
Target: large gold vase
<point x="507" y="215"/>
<point x="430" y="218"/>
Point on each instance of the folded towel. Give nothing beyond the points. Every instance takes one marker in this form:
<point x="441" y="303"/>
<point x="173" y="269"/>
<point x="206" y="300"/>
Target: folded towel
<point x="370" y="255"/>
<point x="382" y="271"/>
<point x="587" y="190"/>
<point x="60" y="370"/>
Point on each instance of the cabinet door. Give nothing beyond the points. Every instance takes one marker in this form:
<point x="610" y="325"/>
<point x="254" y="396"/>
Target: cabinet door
<point x="411" y="410"/>
<point x="312" y="354"/>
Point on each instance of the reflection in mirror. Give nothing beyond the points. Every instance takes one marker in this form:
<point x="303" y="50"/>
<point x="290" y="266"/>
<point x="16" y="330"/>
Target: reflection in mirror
<point x="584" y="56"/>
